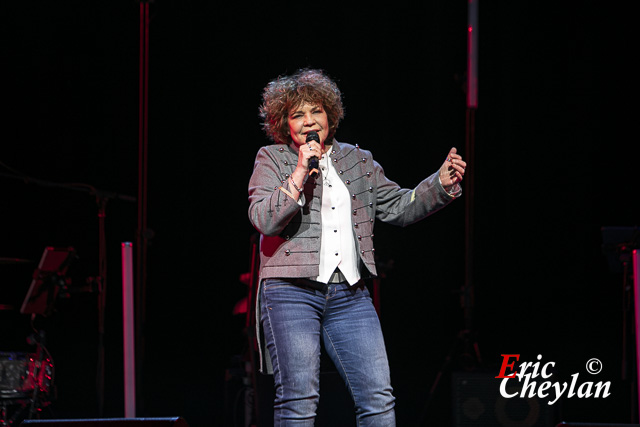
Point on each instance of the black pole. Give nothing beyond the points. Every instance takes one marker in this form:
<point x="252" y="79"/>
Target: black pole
<point x="143" y="234"/>
<point x="465" y="341"/>
<point x="102" y="299"/>
<point x="250" y="324"/>
<point x="468" y="295"/>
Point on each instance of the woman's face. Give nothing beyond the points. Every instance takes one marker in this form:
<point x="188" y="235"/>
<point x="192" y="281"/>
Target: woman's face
<point x="306" y="118"/>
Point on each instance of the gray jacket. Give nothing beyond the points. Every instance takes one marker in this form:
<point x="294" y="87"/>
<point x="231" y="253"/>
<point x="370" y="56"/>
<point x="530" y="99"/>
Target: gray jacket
<point x="290" y="232"/>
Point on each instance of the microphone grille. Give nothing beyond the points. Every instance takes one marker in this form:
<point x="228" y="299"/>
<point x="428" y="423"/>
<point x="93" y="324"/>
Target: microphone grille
<point x="313" y="136"/>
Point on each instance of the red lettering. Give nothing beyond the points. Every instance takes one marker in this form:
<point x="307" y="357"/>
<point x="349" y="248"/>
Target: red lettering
<point x="506" y="364"/>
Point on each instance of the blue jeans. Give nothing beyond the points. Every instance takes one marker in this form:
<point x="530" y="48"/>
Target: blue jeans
<point x="296" y="319"/>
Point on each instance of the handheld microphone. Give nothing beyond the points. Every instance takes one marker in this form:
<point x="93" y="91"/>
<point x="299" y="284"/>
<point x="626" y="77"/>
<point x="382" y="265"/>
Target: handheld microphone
<point x="314" y="161"/>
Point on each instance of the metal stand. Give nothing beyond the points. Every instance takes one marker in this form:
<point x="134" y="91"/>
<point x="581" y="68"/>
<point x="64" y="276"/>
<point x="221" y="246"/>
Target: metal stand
<point x="100" y="281"/>
<point x="251" y="329"/>
<point x="619" y="245"/>
<point x="143" y="234"/>
<point x="635" y="259"/>
<point x="465" y="345"/>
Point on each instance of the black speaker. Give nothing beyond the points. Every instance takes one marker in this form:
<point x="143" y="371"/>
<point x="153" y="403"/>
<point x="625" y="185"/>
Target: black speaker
<point x="477" y="402"/>
<point x="110" y="422"/>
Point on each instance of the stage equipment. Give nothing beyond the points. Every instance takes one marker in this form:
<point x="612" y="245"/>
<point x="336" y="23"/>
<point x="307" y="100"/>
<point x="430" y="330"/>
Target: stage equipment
<point x="143" y="233"/>
<point x="253" y="395"/>
<point x="100" y="281"/>
<point x="27" y="379"/>
<point x="128" y="334"/>
<point x="22" y="373"/>
<point x="620" y="246"/>
<point x="465" y="346"/>
<point x="26" y="384"/>
<point x="48" y="279"/>
<point x="636" y="290"/>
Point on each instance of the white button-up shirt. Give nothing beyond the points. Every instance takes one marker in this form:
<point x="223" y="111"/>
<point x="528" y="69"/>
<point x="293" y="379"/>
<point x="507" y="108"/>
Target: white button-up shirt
<point x="338" y="246"/>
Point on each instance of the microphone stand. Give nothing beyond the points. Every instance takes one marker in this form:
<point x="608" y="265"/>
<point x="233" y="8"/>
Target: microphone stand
<point x="465" y="342"/>
<point x="38" y="367"/>
<point x="102" y="197"/>
<point x="101" y="281"/>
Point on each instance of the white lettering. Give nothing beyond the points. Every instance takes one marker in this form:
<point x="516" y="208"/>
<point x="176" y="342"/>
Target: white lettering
<point x="599" y="387"/>
<point x="559" y="392"/>
<point x="552" y="391"/>
<point x="543" y="387"/>
<point x="544" y="369"/>
<point x="574" y="379"/>
<point x="503" y="389"/>
<point x="531" y="387"/>
<point x="585" y="391"/>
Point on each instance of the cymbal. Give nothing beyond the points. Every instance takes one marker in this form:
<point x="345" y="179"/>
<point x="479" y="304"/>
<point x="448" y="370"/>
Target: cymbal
<point x="7" y="260"/>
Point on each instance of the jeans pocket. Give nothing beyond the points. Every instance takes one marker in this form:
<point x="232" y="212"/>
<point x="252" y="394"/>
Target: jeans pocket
<point x="268" y="284"/>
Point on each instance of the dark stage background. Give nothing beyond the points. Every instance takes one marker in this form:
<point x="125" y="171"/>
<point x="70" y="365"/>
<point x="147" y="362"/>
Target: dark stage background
<point x="556" y="159"/>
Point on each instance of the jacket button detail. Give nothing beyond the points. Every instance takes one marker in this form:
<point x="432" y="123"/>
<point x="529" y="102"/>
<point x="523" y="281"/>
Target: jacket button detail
<point x="287" y="252"/>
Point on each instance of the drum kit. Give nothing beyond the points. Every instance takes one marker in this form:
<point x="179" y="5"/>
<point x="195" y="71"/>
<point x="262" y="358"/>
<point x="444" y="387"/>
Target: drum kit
<point x="27" y="377"/>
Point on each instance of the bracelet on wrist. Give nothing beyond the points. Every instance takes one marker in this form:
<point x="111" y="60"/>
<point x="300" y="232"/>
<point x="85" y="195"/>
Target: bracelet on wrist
<point x="299" y="190"/>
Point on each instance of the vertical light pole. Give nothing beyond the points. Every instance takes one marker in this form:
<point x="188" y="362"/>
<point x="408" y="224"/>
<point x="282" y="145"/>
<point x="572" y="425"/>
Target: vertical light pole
<point x="142" y="234"/>
<point x="472" y="105"/>
<point x="128" y="331"/>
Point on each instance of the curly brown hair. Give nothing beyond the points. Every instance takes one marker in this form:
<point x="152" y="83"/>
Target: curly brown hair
<point x="287" y="92"/>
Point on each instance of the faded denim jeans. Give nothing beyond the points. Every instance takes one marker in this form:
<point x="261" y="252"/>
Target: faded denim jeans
<point x="297" y="320"/>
